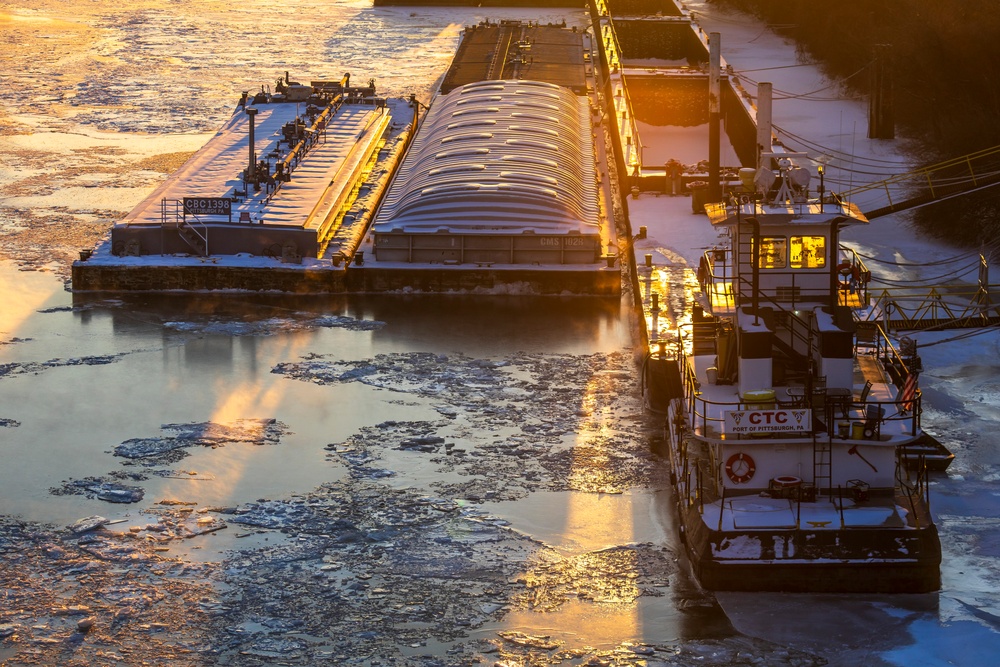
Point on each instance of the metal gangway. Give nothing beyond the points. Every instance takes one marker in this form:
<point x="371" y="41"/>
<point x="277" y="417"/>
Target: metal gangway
<point x="937" y="303"/>
<point x="947" y="305"/>
<point x="934" y="183"/>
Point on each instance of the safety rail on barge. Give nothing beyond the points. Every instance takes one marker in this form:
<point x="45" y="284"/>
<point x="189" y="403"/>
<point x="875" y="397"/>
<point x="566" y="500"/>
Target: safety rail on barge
<point x="786" y="417"/>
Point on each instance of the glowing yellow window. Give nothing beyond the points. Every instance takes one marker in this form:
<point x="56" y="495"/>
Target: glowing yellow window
<point x="773" y="250"/>
<point x="808" y="252"/>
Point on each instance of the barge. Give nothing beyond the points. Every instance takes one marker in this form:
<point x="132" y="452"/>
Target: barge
<point x="785" y="418"/>
<point x="507" y="182"/>
<point x="278" y="199"/>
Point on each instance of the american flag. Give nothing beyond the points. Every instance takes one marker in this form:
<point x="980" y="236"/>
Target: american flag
<point x="909" y="394"/>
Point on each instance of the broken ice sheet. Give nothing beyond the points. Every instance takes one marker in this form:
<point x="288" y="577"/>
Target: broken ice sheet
<point x="87" y="524"/>
<point x="503" y="442"/>
<point x="273" y="326"/>
<point x="204" y="434"/>
<point x="377" y="568"/>
<point x="100" y="489"/>
<point x="424" y="373"/>
<point x="35" y="367"/>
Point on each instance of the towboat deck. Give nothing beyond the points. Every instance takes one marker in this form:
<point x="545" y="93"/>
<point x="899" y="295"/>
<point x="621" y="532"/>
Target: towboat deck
<point x="831" y="405"/>
<point x="755" y="512"/>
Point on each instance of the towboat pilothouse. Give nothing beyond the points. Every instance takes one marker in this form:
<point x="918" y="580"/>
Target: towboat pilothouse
<point x="787" y="414"/>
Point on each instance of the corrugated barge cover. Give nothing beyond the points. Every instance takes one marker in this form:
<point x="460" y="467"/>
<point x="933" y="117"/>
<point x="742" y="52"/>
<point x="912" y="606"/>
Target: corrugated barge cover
<point x="498" y="156"/>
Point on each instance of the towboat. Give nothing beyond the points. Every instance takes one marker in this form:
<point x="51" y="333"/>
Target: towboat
<point x="786" y="415"/>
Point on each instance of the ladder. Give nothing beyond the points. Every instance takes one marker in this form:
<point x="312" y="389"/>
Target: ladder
<point x="703" y="338"/>
<point x="823" y="463"/>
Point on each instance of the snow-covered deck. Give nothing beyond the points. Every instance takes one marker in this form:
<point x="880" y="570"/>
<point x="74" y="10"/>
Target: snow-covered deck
<point x="216" y="170"/>
<point x="756" y="512"/>
<point x="324" y="161"/>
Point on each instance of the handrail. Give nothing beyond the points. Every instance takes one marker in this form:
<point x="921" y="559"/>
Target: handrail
<point x="166" y="213"/>
<point x="722" y="507"/>
<point x="954" y="176"/>
<point x="920" y="488"/>
<point x="180" y="221"/>
<point x="856" y="279"/>
<point x="625" y="124"/>
<point x="913" y="305"/>
<point x="890" y="357"/>
<point x="699" y="496"/>
<point x="707" y="274"/>
<point x="297" y="154"/>
<point x="321" y="201"/>
<point x="687" y="484"/>
<point x="927" y="486"/>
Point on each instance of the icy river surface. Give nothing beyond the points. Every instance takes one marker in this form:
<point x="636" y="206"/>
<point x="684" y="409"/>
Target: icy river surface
<point x="402" y="480"/>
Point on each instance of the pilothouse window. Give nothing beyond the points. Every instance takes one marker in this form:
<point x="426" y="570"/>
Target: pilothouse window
<point x="773" y="250"/>
<point x="808" y="252"/>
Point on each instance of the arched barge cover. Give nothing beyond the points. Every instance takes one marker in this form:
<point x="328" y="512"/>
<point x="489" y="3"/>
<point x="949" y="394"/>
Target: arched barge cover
<point x="497" y="159"/>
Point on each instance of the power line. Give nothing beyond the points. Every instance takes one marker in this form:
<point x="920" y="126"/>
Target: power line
<point x="962" y="336"/>
<point x="785" y="95"/>
<point x="832" y="152"/>
<point x="940" y="262"/>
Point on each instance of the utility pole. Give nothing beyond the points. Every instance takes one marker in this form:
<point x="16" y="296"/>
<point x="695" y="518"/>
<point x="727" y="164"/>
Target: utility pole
<point x="764" y="95"/>
<point x="714" y="115"/>
<point x="881" y="121"/>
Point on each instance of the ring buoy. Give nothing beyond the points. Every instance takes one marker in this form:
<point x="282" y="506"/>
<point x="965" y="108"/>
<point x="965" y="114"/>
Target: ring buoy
<point x="787" y="481"/>
<point x="845" y="274"/>
<point x="740" y="468"/>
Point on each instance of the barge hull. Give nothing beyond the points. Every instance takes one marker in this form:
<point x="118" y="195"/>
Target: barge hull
<point x="325" y="279"/>
<point x="831" y="561"/>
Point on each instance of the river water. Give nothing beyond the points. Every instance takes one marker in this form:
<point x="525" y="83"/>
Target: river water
<point x="412" y="480"/>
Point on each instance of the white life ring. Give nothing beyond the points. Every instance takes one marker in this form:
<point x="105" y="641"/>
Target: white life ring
<point x="740" y="468"/>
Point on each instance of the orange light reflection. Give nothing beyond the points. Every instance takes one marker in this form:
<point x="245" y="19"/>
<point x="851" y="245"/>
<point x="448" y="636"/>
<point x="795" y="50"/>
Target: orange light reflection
<point x="593" y="593"/>
<point x="24" y="293"/>
<point x="257" y="398"/>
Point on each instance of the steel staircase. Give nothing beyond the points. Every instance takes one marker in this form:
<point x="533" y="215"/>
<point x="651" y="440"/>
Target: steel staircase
<point x="172" y="217"/>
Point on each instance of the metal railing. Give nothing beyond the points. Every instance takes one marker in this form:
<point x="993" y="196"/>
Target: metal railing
<point x="312" y="135"/>
<point x="172" y="217"/>
<point x="715" y="270"/>
<point x="932" y="183"/>
<point x="696" y="493"/>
